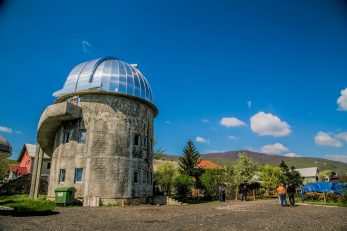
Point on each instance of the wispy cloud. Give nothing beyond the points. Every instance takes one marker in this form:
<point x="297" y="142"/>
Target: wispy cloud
<point x="291" y="154"/>
<point x="19" y="132"/>
<point x="214" y="151"/>
<point x="249" y="104"/>
<point x="6" y="129"/>
<point x="232" y="138"/>
<point x="232" y="122"/>
<point x="205" y="121"/>
<point x="200" y="139"/>
<point x="86" y="46"/>
<point x="168" y="122"/>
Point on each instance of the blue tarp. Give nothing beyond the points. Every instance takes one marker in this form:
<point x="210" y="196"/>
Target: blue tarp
<point x="328" y="187"/>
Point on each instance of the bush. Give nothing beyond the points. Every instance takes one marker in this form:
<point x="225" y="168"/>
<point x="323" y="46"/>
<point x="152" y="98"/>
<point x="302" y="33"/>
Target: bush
<point x="183" y="184"/>
<point x="344" y="199"/>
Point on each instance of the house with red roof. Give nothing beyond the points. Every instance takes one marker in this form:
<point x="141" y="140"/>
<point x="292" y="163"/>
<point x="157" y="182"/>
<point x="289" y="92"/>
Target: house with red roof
<point x="207" y="164"/>
<point x="26" y="161"/>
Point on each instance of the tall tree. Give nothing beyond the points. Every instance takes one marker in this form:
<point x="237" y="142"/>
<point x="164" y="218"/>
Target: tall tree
<point x="189" y="161"/>
<point x="211" y="180"/>
<point x="165" y="176"/>
<point x="270" y="177"/>
<point x="244" y="170"/>
<point x="290" y="175"/>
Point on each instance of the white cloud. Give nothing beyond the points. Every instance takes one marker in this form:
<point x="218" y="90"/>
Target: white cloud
<point x="249" y="104"/>
<point x="86" y="46"/>
<point x="342" y="100"/>
<point x="342" y="136"/>
<point x="274" y="149"/>
<point x="325" y="139"/>
<point x="232" y="138"/>
<point x="205" y="121"/>
<point x="19" y="132"/>
<point x="200" y="139"/>
<point x="5" y="129"/>
<point x="250" y="149"/>
<point x="168" y="122"/>
<point x="232" y="122"/>
<point x="269" y="125"/>
<point x="291" y="154"/>
<point x="337" y="157"/>
<point x="214" y="151"/>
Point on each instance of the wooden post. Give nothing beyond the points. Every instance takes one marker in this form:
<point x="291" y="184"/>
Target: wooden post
<point x="254" y="194"/>
<point x="324" y="196"/>
<point x="236" y="192"/>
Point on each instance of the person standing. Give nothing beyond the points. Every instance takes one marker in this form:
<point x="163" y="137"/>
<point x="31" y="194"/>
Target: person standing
<point x="244" y="192"/>
<point x="291" y="194"/>
<point x="222" y="193"/>
<point x="281" y="192"/>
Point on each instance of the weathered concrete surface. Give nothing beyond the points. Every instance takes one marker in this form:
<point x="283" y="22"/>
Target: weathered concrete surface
<point x="51" y="120"/>
<point x="108" y="156"/>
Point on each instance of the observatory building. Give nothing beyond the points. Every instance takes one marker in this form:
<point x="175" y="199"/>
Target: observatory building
<point x="99" y="133"/>
<point x="5" y="148"/>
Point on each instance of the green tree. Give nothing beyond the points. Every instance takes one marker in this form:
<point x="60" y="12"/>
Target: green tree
<point x="183" y="183"/>
<point x="211" y="180"/>
<point x="189" y="161"/>
<point x="165" y="176"/>
<point x="4" y="167"/>
<point x="244" y="170"/>
<point x="290" y="175"/>
<point x="270" y="177"/>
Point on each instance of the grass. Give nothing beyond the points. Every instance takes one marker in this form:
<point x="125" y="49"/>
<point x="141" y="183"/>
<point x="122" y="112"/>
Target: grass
<point x="23" y="204"/>
<point x="319" y="203"/>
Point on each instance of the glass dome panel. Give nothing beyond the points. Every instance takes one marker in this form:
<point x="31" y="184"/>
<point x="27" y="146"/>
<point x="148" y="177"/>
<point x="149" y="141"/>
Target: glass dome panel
<point x="107" y="74"/>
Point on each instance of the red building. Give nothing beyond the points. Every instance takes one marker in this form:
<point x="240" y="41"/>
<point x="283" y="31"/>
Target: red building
<point x="26" y="161"/>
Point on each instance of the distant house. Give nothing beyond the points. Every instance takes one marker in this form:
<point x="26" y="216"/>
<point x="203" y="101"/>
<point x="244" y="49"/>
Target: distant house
<point x="26" y="161"/>
<point x="309" y="175"/>
<point x="207" y="164"/>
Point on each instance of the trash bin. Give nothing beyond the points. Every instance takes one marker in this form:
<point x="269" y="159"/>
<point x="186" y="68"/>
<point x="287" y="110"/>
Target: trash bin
<point x="65" y="195"/>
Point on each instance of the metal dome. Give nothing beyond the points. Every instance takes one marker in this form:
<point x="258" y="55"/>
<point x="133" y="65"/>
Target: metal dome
<point x="107" y="74"/>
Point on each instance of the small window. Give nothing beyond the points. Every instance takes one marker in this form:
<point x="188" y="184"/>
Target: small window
<point x="145" y="141"/>
<point x="48" y="165"/>
<point x="145" y="177"/>
<point x="78" y="175"/>
<point x="137" y="140"/>
<point x="136" y="177"/>
<point x="66" y="137"/>
<point x="62" y="176"/>
<point x="82" y="136"/>
<point x="150" y="178"/>
<point x="75" y="100"/>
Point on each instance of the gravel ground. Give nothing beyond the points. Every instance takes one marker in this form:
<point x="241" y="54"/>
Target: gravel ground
<point x="259" y="215"/>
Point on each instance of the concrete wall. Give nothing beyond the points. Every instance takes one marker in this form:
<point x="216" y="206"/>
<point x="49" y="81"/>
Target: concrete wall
<point x="108" y="156"/>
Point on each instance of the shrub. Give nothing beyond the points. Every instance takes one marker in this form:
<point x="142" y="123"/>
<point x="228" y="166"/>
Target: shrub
<point x="183" y="184"/>
<point x="22" y="203"/>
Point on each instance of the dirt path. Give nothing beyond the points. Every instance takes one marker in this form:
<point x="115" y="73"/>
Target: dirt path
<point x="259" y="215"/>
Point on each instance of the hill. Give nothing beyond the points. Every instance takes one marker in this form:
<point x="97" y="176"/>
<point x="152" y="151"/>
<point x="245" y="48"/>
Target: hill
<point x="227" y="158"/>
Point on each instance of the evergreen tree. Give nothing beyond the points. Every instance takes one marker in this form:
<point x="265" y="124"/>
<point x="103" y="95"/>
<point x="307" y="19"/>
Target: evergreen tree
<point x="290" y="175"/>
<point x="189" y="161"/>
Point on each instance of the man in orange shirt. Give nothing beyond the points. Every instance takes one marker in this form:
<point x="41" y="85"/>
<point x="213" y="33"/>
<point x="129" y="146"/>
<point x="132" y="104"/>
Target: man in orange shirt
<point x="281" y="191"/>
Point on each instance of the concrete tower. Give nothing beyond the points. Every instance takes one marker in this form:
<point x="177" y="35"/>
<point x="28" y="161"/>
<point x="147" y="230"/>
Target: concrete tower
<point x="99" y="133"/>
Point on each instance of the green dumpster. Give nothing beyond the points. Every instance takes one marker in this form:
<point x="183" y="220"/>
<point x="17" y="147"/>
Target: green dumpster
<point x="65" y="195"/>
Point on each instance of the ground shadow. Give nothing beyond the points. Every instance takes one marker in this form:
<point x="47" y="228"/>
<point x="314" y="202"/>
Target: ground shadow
<point x="14" y="213"/>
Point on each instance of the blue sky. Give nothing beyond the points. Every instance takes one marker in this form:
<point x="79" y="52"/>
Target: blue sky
<point x="259" y="75"/>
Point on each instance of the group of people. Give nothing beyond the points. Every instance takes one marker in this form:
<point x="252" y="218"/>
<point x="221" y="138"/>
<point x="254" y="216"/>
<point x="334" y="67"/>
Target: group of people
<point x="222" y="193"/>
<point x="282" y="191"/>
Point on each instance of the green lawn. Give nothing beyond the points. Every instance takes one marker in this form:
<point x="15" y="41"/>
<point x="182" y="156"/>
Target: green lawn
<point x="24" y="204"/>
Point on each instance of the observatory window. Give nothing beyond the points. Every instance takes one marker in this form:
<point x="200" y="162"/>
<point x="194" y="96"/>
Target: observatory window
<point x="61" y="175"/>
<point x="136" y="177"/>
<point x="67" y="135"/>
<point x="137" y="140"/>
<point x="82" y="136"/>
<point x="145" y="177"/>
<point x="48" y="165"/>
<point x="75" y="100"/>
<point x="145" y="141"/>
<point x="78" y="175"/>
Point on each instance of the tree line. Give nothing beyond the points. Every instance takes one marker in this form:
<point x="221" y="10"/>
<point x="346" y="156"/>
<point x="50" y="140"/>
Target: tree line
<point x="243" y="172"/>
